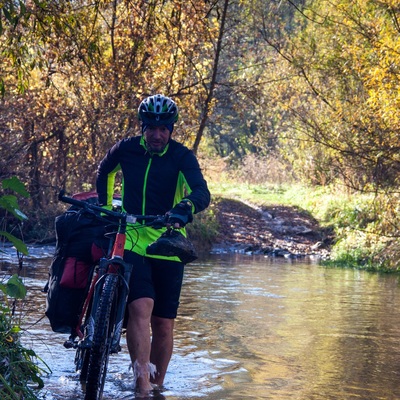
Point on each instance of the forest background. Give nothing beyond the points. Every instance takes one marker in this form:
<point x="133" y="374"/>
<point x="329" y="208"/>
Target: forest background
<point x="272" y="93"/>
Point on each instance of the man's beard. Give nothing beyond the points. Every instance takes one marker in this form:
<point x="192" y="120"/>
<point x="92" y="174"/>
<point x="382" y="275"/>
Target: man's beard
<point x="155" y="149"/>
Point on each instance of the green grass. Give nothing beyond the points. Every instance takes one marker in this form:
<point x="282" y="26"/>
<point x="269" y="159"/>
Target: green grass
<point x="315" y="201"/>
<point x="256" y="194"/>
<point x="326" y="204"/>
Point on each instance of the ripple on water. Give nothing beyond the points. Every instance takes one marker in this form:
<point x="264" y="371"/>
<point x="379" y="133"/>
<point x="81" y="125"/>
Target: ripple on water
<point x="258" y="328"/>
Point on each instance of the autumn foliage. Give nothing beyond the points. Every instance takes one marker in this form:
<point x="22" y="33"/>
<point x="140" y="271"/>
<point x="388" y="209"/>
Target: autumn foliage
<point x="313" y="84"/>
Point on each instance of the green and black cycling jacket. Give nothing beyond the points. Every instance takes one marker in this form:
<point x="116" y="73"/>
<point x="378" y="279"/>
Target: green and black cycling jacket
<point x="152" y="183"/>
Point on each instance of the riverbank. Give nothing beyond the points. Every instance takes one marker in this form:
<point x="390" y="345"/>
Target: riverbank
<point x="351" y="229"/>
<point x="276" y="230"/>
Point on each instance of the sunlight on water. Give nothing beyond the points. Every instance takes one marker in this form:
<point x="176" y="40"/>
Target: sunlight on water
<point x="254" y="328"/>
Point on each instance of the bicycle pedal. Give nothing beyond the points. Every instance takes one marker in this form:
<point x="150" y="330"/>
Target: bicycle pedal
<point x="69" y="344"/>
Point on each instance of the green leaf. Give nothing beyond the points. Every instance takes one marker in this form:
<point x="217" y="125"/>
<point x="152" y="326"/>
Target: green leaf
<point x="8" y="15"/>
<point x="18" y="244"/>
<point x="16" y="185"/>
<point x="15" y="287"/>
<point x="3" y="288"/>
<point x="2" y="86"/>
<point x="10" y="203"/>
<point x="15" y="329"/>
<point x="22" y="8"/>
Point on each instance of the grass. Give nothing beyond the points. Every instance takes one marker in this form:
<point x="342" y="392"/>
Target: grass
<point x="316" y="202"/>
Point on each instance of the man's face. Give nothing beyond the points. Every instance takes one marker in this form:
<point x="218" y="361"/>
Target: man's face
<point x="156" y="138"/>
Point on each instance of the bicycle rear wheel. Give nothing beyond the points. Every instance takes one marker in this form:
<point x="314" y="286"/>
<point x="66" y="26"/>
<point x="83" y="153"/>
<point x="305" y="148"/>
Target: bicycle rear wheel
<point x="102" y="340"/>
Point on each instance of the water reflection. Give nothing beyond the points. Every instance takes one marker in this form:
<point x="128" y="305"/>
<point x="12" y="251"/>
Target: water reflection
<point x="253" y="327"/>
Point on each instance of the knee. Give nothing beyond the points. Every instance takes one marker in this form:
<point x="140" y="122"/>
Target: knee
<point x="141" y="309"/>
<point x="162" y="326"/>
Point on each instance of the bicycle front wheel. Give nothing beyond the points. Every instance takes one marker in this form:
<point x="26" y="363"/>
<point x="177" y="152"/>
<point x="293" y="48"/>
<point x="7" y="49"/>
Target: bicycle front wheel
<point x="82" y="363"/>
<point x="102" y="339"/>
<point x="82" y="354"/>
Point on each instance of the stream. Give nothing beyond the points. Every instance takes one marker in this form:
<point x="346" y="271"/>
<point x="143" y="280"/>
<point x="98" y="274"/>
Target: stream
<point x="251" y="327"/>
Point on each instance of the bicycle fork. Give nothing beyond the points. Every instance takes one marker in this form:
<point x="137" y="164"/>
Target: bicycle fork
<point x="106" y="267"/>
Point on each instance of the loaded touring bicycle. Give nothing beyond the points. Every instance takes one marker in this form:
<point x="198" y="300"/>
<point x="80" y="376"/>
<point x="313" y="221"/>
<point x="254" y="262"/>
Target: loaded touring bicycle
<point x="88" y="281"/>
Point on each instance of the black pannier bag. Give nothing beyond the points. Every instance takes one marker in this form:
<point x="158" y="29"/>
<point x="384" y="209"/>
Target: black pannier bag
<point x="80" y="243"/>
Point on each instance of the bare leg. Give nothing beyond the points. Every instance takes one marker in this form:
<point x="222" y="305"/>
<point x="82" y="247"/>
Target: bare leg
<point x="138" y="340"/>
<point x="161" y="346"/>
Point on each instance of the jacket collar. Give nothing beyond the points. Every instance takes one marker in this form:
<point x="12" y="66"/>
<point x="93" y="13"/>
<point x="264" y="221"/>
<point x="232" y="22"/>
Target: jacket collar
<point x="144" y="145"/>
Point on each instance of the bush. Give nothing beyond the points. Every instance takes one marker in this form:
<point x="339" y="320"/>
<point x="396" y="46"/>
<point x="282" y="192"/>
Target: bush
<point x="17" y="364"/>
<point x="204" y="229"/>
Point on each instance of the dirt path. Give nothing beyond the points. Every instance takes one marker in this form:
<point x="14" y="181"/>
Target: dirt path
<point x="277" y="231"/>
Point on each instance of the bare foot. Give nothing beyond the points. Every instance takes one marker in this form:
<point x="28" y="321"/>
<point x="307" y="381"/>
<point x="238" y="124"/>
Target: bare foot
<point x="141" y="376"/>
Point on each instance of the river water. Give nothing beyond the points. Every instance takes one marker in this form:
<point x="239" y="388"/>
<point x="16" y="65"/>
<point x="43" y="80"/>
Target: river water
<point x="252" y="327"/>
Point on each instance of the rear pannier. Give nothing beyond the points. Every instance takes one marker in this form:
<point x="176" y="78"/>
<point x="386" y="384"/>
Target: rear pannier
<point x="81" y="242"/>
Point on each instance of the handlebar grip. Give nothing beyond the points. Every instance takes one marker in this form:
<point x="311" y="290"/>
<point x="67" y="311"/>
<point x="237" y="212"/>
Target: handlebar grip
<point x="70" y="200"/>
<point x="85" y="205"/>
<point x="61" y="194"/>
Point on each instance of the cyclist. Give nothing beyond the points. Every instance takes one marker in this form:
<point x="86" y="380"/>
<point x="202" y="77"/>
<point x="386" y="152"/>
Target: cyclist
<point x="160" y="176"/>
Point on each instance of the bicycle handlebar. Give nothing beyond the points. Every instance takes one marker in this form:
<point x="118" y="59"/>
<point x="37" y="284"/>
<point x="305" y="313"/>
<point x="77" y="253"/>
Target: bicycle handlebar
<point x="154" y="220"/>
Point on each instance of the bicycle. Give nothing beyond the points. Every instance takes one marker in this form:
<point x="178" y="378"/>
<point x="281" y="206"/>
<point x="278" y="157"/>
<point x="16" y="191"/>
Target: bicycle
<point x="100" y="325"/>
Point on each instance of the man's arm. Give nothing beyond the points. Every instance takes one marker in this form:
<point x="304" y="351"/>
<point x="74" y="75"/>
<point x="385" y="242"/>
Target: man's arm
<point x="198" y="193"/>
<point x="106" y="172"/>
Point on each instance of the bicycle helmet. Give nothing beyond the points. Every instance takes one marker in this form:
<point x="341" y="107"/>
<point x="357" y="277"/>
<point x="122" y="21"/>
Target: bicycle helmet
<point x="158" y="110"/>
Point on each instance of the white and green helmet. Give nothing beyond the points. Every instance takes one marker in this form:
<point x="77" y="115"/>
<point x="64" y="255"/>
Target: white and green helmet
<point x="158" y="110"/>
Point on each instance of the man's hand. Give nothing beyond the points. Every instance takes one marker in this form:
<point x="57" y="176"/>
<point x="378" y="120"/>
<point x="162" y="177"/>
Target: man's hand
<point x="180" y="215"/>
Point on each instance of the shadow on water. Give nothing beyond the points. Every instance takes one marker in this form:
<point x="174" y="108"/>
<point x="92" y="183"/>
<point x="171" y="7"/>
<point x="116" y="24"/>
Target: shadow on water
<point x="254" y="328"/>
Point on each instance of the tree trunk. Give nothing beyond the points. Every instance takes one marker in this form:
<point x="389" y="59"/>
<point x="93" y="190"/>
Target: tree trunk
<point x="206" y="109"/>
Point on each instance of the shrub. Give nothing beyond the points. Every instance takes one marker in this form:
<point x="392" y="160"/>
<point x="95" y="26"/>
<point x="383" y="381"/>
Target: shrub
<point x="17" y="363"/>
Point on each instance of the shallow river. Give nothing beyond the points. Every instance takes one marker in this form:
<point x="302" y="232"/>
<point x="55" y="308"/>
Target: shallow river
<point x="256" y="328"/>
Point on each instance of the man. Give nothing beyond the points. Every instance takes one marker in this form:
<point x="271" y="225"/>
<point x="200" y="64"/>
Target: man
<point x="160" y="176"/>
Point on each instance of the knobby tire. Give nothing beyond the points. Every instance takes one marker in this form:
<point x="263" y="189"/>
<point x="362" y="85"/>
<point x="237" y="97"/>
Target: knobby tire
<point x="82" y="355"/>
<point x="102" y="340"/>
<point x="82" y="363"/>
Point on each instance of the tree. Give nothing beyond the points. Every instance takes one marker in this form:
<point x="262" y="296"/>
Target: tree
<point x="342" y="96"/>
<point x="86" y="66"/>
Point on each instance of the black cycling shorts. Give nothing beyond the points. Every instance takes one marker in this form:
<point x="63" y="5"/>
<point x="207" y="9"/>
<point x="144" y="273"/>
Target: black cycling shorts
<point x="160" y="280"/>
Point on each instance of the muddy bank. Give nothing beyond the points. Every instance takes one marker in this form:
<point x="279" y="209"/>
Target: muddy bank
<point x="280" y="231"/>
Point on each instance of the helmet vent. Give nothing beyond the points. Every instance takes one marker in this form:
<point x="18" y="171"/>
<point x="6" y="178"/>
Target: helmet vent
<point x="158" y="110"/>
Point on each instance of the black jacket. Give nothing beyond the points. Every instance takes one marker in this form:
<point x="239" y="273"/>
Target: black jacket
<point x="152" y="183"/>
